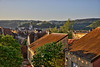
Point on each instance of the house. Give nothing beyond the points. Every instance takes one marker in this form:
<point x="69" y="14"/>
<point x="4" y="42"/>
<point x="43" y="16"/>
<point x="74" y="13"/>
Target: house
<point x="5" y="31"/>
<point x="77" y="34"/>
<point x="48" y="38"/>
<point x="85" y="52"/>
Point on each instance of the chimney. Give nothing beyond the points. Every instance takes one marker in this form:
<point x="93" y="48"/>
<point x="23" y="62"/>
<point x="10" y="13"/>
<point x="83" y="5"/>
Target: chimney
<point x="89" y="31"/>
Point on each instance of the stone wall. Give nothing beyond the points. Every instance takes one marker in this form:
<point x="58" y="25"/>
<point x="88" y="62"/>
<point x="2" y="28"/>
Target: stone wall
<point x="32" y="53"/>
<point x="74" y="59"/>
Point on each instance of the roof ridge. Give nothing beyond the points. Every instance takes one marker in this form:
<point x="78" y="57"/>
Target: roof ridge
<point x="55" y="37"/>
<point x="60" y="33"/>
<point x="88" y="43"/>
<point x="38" y="39"/>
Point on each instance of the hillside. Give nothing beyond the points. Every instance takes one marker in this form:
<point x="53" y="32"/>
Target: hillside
<point x="95" y="24"/>
<point x="83" y="23"/>
<point x="12" y="23"/>
<point x="78" y="25"/>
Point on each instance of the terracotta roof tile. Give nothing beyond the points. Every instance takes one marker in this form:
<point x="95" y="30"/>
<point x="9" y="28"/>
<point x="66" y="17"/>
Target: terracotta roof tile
<point x="7" y="31"/>
<point x="89" y="44"/>
<point x="54" y="37"/>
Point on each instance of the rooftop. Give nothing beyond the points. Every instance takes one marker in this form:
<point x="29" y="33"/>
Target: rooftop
<point x="5" y="31"/>
<point x="48" y="38"/>
<point x="87" y="47"/>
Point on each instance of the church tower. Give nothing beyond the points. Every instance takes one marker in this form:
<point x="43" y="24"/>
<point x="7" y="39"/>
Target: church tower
<point x="30" y="26"/>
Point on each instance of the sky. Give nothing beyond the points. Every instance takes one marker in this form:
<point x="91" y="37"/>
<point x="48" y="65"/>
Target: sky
<point x="49" y="9"/>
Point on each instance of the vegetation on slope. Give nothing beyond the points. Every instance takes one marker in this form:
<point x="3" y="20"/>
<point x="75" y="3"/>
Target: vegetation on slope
<point x="95" y="24"/>
<point x="79" y="23"/>
<point x="66" y="28"/>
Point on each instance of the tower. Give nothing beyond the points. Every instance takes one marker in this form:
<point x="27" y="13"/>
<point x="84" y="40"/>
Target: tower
<point x="30" y="26"/>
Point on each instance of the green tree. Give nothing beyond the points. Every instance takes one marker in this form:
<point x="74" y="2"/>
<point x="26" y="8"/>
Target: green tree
<point x="66" y="28"/>
<point x="61" y="30"/>
<point x="10" y="52"/>
<point x="25" y="43"/>
<point x="54" y="30"/>
<point x="49" y="55"/>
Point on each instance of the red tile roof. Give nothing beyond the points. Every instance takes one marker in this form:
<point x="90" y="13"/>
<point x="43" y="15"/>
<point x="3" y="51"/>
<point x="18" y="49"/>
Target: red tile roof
<point x="54" y="37"/>
<point x="88" y="46"/>
<point x="7" y="31"/>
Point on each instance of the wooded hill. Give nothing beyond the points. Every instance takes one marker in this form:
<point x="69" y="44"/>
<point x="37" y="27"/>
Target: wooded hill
<point x="95" y="24"/>
<point x="78" y="25"/>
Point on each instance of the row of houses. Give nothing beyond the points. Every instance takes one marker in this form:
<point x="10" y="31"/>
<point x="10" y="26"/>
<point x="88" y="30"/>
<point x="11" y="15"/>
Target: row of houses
<point x="5" y="31"/>
<point x="85" y="52"/>
<point x="81" y="51"/>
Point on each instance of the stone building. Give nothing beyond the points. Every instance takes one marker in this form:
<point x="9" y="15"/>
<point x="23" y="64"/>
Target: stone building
<point x="85" y="52"/>
<point x="48" y="38"/>
<point x="77" y="34"/>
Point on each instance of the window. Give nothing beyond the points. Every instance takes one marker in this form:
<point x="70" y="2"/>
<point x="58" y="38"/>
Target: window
<point x="74" y="64"/>
<point x="66" y="61"/>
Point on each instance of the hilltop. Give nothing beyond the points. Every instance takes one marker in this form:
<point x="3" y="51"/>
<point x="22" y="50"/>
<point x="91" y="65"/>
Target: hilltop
<point x="78" y="25"/>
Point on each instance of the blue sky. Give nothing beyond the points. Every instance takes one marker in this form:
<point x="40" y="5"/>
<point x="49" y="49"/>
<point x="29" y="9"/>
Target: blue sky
<point x="49" y="9"/>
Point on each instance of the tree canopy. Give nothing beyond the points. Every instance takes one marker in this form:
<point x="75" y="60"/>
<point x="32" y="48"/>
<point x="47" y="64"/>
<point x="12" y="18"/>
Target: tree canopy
<point x="49" y="55"/>
<point x="10" y="52"/>
<point x="66" y="28"/>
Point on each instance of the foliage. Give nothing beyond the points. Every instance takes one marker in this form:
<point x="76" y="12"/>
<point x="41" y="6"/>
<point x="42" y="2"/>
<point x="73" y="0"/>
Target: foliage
<point x="25" y="25"/>
<point x="10" y="52"/>
<point x="66" y="28"/>
<point x="95" y="24"/>
<point x="54" y="30"/>
<point x="46" y="24"/>
<point x="49" y="55"/>
<point x="79" y="23"/>
<point x="25" y="43"/>
<point x="70" y="35"/>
